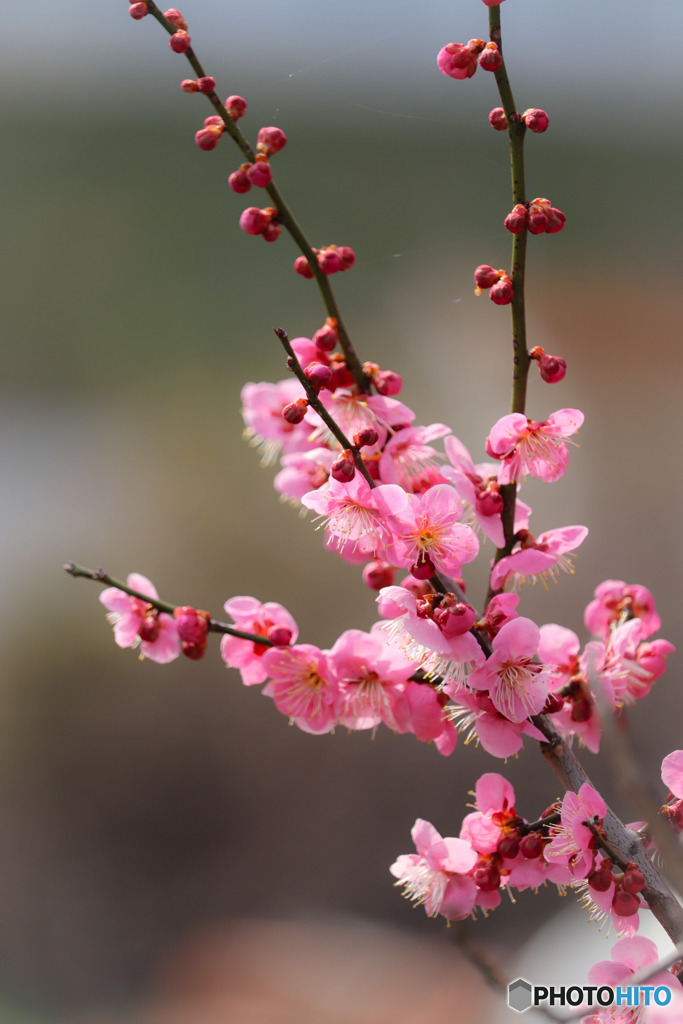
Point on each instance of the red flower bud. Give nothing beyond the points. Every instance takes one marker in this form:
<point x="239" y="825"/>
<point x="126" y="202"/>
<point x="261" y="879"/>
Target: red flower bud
<point x="516" y="220"/>
<point x="138" y="11"/>
<point x="271" y="140"/>
<point x="318" y="374"/>
<point x="501" y="292"/>
<point x="295" y="411"/>
<point x="343" y="468"/>
<point x="388" y="383"/>
<point x="180" y="42"/>
<point x="377" y="575"/>
<point x="236" y="107"/>
<point x="303" y="267"/>
<point x="536" y="120"/>
<point x="497" y="119"/>
<point x="490" y="58"/>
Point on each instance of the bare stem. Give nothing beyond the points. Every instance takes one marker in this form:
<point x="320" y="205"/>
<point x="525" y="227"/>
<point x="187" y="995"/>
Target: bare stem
<point x="100" y="576"/>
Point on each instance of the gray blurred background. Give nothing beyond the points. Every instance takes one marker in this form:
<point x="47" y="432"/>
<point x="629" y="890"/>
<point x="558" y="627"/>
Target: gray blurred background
<point x="167" y="844"/>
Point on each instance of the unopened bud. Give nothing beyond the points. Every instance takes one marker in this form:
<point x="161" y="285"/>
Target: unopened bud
<point x="175" y="17"/>
<point x="536" y="120"/>
<point x="318" y="374"/>
<point x="150" y="626"/>
<point x="271" y="232"/>
<point x="531" y="846"/>
<point x="192" y="625"/>
<point x="239" y="182"/>
<point x="294" y="412"/>
<point x="633" y="881"/>
<point x="423" y="569"/>
<point x="497" y="119"/>
<point x="180" y="42"/>
<point x="236" y="107"/>
<point x="484" y="277"/>
<point x="346" y="255"/>
<point x="501" y="292"/>
<point x="343" y="468"/>
<point x="327" y="337"/>
<point x="329" y="261"/>
<point x="193" y="651"/>
<point x="189" y="85"/>
<point x="377" y="575"/>
<point x="516" y="220"/>
<point x="254" y="221"/>
<point x="625" y="904"/>
<point x="271" y="140"/>
<point x="388" y="383"/>
<point x="551" y="368"/>
<point x="260" y="173"/>
<point x="280" y="636"/>
<point x="303" y="267"/>
<point x="490" y="58"/>
<point x="365" y="438"/>
<point x="138" y="11"/>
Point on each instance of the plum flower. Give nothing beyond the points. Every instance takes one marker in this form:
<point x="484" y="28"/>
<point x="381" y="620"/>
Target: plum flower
<point x="269" y="620"/>
<point x="475" y="715"/>
<point x="615" y="602"/>
<point x="138" y="623"/>
<point x="352" y="515"/>
<point x="408" y="459"/>
<point x="437" y="875"/>
<point x="542" y="558"/>
<point x="572" y="842"/>
<point x="517" y="685"/>
<point x="371" y="677"/>
<point x="532" y="447"/>
<point x="427" y="535"/>
<point x="302" y="686"/>
<point x="265" y="428"/>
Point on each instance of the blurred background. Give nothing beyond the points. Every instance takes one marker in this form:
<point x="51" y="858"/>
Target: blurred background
<point x="169" y="849"/>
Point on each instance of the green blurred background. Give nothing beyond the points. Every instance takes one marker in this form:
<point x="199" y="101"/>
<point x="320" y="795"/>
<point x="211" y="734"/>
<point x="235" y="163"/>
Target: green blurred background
<point x="154" y="816"/>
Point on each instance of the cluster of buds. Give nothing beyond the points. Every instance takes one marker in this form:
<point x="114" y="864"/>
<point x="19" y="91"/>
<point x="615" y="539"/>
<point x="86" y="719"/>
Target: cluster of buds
<point x="270" y="140"/>
<point x="497" y="281"/>
<point x="331" y="259"/>
<point x="192" y="625"/>
<point x="205" y="85"/>
<point x="459" y="60"/>
<point x="626" y="885"/>
<point x="538" y="217"/>
<point x="535" y="119"/>
<point x="180" y="40"/>
<point x="551" y="368"/>
<point x="261" y="222"/>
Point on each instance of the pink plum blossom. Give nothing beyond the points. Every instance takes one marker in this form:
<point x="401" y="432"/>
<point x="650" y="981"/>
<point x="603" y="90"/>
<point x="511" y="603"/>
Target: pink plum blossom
<point x="475" y="715"/>
<point x="371" y="675"/>
<point x="302" y="472"/>
<point x="302" y="686"/>
<point x="572" y="842"/>
<point x="355" y="412"/>
<point x="516" y="683"/>
<point x="437" y="876"/>
<point x="351" y="515"/>
<point x="137" y="623"/>
<point x="426" y="533"/>
<point x="533" y="447"/>
<point x="628" y="956"/>
<point x="408" y="457"/>
<point x="269" y="620"/>
<point x="459" y="60"/>
<point x="541" y="559"/>
<point x="614" y="602"/>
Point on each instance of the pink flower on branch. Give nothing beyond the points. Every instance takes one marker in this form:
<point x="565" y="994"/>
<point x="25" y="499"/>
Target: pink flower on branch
<point x="533" y="447"/>
<point x="302" y="686"/>
<point x="269" y="620"/>
<point x="427" y="535"/>
<point x="138" y="624"/>
<point x="516" y="683"/>
<point x="542" y="558"/>
<point x="437" y="876"/>
<point x="351" y="515"/>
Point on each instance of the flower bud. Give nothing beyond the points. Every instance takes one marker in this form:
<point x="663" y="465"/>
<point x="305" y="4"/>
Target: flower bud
<point x="318" y="375"/>
<point x="346" y="255"/>
<point x="303" y="267"/>
<point x="343" y="468"/>
<point x="327" y="336"/>
<point x="149" y="626"/>
<point x="329" y="261"/>
<point x="625" y="904"/>
<point x="601" y="879"/>
<point x="239" y="182"/>
<point x="487" y="875"/>
<point x="423" y="569"/>
<point x="536" y="120"/>
<point x="193" y="651"/>
<point x="484" y="277"/>
<point x="489" y="500"/>
<point x="175" y="17"/>
<point x="236" y="107"/>
<point x="497" y="119"/>
<point x="180" y="42"/>
<point x="271" y="140"/>
<point x="271" y="232"/>
<point x="377" y="575"/>
<point x="208" y="136"/>
<point x="490" y="58"/>
<point x="279" y="636"/>
<point x="453" y="617"/>
<point x="508" y="846"/>
<point x="633" y="881"/>
<point x="501" y="292"/>
<point x="294" y="412"/>
<point x="192" y="625"/>
<point x="138" y="11"/>
<point x="189" y="85"/>
<point x="254" y="221"/>
<point x="365" y="438"/>
<point x="556" y="220"/>
<point x="516" y="219"/>
<point x="531" y="846"/>
<point x="388" y="383"/>
<point x="551" y="368"/>
<point x="537" y="220"/>
<point x="206" y="84"/>
<point x="260" y="173"/>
